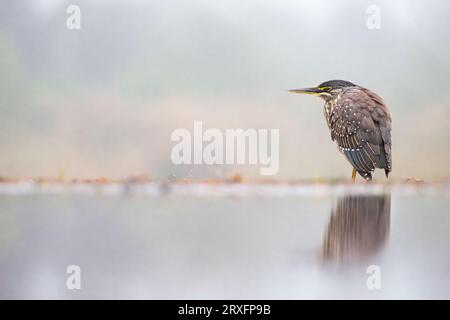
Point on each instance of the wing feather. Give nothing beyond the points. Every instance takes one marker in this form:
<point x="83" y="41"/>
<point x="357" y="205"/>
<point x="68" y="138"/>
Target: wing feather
<point x="361" y="127"/>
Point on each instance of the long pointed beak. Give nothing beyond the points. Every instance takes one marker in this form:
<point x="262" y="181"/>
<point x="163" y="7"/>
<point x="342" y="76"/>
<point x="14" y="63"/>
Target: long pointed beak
<point x="313" y="91"/>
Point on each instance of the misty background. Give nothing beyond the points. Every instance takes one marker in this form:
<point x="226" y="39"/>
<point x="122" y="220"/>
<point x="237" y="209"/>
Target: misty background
<point x="104" y="100"/>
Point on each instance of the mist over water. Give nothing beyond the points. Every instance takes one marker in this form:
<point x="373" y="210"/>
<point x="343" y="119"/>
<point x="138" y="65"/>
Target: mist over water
<point x="103" y="100"/>
<point x="89" y="114"/>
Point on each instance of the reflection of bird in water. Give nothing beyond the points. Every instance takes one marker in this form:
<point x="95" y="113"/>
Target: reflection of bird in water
<point x="358" y="228"/>
<point x="360" y="124"/>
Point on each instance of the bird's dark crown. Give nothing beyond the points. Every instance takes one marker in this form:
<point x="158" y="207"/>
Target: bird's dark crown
<point x="327" y="90"/>
<point x="336" y="84"/>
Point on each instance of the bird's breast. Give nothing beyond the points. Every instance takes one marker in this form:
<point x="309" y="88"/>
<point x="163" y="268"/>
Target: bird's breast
<point x="329" y="111"/>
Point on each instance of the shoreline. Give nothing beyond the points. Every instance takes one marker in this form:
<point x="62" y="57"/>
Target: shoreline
<point x="221" y="189"/>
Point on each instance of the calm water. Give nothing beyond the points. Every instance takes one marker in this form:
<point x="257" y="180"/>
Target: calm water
<point x="305" y="244"/>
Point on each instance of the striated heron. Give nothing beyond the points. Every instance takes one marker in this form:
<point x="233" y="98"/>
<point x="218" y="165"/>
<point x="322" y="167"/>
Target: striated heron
<point x="359" y="122"/>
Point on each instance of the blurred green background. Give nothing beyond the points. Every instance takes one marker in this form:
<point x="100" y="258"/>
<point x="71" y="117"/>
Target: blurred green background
<point x="103" y="100"/>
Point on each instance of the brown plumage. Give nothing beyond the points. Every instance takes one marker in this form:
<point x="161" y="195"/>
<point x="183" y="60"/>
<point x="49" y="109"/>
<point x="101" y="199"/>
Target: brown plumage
<point x="360" y="124"/>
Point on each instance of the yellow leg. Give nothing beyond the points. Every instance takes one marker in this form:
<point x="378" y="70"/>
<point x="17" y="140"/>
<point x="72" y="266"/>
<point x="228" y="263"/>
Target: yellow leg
<point x="354" y="175"/>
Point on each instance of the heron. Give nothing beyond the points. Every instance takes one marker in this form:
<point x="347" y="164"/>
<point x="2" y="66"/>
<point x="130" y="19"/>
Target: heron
<point x="360" y="124"/>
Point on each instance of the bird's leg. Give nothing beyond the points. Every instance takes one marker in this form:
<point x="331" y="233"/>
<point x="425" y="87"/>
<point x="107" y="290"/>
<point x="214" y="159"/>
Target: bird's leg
<point x="354" y="175"/>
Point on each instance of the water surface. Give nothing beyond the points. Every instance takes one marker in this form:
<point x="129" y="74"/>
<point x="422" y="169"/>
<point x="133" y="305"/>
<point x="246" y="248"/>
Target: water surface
<point x="312" y="243"/>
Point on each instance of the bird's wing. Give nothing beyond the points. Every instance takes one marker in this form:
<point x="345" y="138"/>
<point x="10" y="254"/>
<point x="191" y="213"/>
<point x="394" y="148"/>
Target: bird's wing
<point x="356" y="130"/>
<point x="382" y="118"/>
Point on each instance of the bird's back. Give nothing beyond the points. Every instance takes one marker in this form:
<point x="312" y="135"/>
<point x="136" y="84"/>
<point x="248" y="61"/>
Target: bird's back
<point x="360" y="123"/>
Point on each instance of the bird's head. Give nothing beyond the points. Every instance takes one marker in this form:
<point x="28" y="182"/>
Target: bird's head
<point x="327" y="90"/>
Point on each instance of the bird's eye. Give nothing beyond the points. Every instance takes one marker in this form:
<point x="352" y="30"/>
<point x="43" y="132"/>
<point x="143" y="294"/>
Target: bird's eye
<point x="325" y="88"/>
